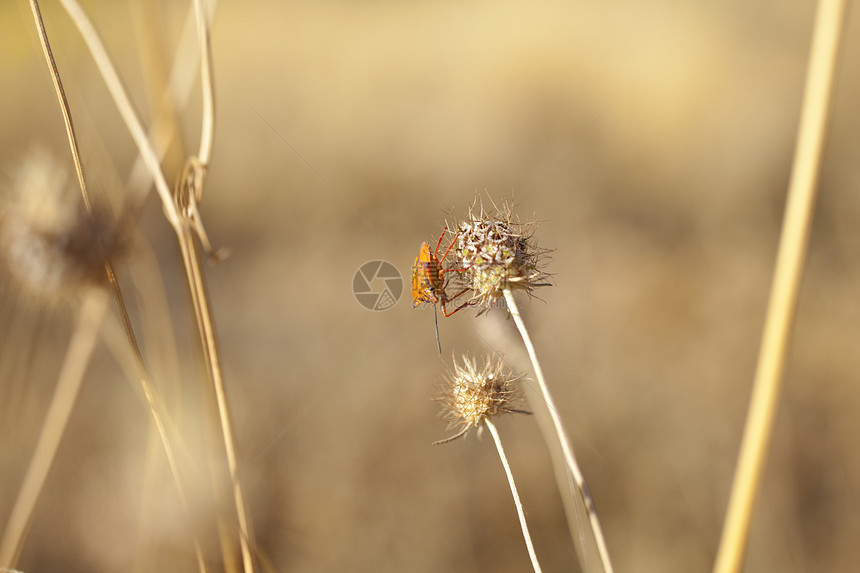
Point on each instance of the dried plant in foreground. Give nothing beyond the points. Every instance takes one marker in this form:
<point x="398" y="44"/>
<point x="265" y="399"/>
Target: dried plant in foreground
<point x="471" y="396"/>
<point x="180" y="210"/>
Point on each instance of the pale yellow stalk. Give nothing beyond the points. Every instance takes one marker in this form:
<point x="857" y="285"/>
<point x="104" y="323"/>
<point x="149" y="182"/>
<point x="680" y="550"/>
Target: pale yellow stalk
<point x="786" y="283"/>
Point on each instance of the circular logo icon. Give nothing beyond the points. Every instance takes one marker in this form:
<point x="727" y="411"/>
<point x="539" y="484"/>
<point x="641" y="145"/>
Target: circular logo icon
<point x="377" y="285"/>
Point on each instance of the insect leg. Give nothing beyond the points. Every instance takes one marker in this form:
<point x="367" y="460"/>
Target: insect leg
<point x="442" y="236"/>
<point x="459" y="308"/>
<point x="454" y="240"/>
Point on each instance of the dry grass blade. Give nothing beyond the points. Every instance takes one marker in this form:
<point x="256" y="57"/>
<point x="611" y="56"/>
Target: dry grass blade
<point x="125" y="107"/>
<point x="191" y="259"/>
<point x="188" y="194"/>
<point x="81" y="346"/>
<point x="61" y="95"/>
<point x="786" y="283"/>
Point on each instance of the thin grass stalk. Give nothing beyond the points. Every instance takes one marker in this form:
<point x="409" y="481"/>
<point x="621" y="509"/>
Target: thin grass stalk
<point x="64" y="103"/>
<point x="81" y="346"/>
<point x="786" y="284"/>
<point x="207" y="135"/>
<point x="191" y="258"/>
<point x="198" y="286"/>
<point x="569" y="458"/>
<point x="182" y="223"/>
<point x="520" y="512"/>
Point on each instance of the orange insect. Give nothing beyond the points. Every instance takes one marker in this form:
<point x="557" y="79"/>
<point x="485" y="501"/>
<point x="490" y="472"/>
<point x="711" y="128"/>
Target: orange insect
<point x="428" y="283"/>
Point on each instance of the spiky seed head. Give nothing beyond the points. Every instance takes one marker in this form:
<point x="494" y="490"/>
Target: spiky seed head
<point x="471" y="394"/>
<point x="498" y="253"/>
<point x="50" y="245"/>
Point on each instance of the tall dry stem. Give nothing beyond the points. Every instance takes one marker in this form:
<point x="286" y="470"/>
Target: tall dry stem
<point x="570" y="460"/>
<point x="786" y="284"/>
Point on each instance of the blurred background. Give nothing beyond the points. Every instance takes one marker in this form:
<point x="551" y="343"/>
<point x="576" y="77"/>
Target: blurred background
<point x="651" y="143"/>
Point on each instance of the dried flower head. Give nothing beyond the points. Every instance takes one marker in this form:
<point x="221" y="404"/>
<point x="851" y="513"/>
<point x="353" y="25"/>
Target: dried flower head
<point x="498" y="252"/>
<point x="49" y="244"/>
<point x="470" y="395"/>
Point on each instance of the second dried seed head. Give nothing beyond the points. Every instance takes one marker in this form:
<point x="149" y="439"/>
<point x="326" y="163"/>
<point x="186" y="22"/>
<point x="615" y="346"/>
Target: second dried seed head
<point x="471" y="394"/>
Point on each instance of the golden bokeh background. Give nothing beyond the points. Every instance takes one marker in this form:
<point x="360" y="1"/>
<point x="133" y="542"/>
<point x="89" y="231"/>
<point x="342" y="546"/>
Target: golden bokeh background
<point x="651" y="142"/>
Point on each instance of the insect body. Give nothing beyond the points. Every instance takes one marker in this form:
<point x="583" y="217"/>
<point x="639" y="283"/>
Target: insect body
<point x="428" y="282"/>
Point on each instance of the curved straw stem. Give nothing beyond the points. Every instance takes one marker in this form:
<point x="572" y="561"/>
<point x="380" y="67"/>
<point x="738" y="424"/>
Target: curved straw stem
<point x="567" y="451"/>
<point x="520" y="512"/>
<point x="786" y="283"/>
<point x="81" y="345"/>
<point x="178" y="90"/>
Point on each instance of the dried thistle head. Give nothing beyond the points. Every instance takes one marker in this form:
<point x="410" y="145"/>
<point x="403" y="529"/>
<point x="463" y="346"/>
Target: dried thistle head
<point x="498" y="252"/>
<point x="50" y="245"/>
<point x="469" y="395"/>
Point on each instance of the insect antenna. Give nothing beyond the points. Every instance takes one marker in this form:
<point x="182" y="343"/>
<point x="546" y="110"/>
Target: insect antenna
<point x="436" y="320"/>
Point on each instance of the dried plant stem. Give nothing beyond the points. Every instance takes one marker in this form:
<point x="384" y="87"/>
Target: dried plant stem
<point x="786" y="283"/>
<point x="191" y="258"/>
<point x="517" y="502"/>
<point x="61" y="96"/>
<point x="569" y="458"/>
<point x="183" y="222"/>
<point x="81" y="345"/>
